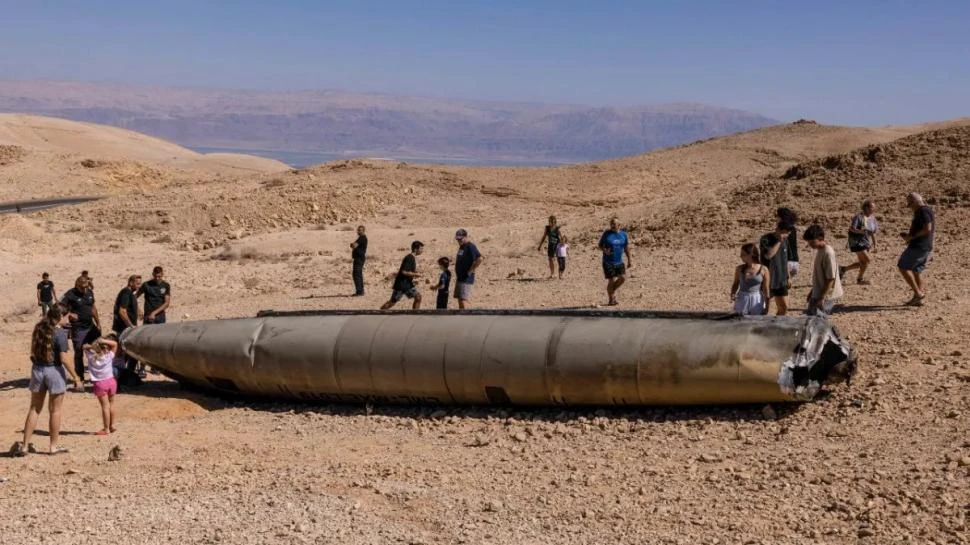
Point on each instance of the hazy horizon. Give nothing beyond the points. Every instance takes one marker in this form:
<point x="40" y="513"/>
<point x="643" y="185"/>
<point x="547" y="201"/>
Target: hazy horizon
<point x="861" y="63"/>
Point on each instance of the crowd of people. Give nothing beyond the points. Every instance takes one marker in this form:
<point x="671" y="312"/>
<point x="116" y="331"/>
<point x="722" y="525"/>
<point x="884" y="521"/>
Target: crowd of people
<point x="763" y="277"/>
<point x="95" y="351"/>
<point x="766" y="270"/>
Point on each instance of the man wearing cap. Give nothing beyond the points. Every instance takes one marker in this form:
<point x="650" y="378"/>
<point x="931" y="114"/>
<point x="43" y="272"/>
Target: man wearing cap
<point x="466" y="263"/>
<point x="919" y="246"/>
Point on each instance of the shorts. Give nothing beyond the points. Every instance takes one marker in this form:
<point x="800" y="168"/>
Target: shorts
<point x="914" y="259"/>
<point x="612" y="270"/>
<point x="47" y="379"/>
<point x="463" y="291"/>
<point x="410" y="293"/>
<point x="826" y="308"/>
<point x="107" y="387"/>
<point x="779" y="292"/>
<point x="856" y="248"/>
<point x="551" y="250"/>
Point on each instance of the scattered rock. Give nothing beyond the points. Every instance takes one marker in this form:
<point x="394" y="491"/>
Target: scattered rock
<point x="115" y="454"/>
<point x="768" y="412"/>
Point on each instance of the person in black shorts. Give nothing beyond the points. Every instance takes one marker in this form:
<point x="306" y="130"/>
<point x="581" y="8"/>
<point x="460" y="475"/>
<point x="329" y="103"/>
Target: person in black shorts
<point x="45" y="294"/>
<point x="126" y="312"/>
<point x="615" y="244"/>
<point x="358" y="251"/>
<point x="158" y="297"/>
<point x="553" y="234"/>
<point x="83" y="315"/>
<point x="774" y="255"/>
<point x="404" y="281"/>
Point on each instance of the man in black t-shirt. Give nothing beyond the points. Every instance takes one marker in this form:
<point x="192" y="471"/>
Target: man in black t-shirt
<point x="358" y="251"/>
<point x="404" y="281"/>
<point x="158" y="296"/>
<point x="126" y="305"/>
<point x="83" y="315"/>
<point x="45" y="294"/>
<point x="919" y="247"/>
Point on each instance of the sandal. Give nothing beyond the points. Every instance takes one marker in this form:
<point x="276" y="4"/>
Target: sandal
<point x="59" y="450"/>
<point x="916" y="301"/>
<point x="863" y="282"/>
<point x="101" y="432"/>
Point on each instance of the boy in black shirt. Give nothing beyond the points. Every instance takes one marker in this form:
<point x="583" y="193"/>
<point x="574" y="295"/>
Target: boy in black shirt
<point x="404" y="281"/>
<point x="45" y="294"/>
<point x="444" y="283"/>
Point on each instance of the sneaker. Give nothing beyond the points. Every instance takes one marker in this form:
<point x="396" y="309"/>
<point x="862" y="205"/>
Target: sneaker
<point x="863" y="282"/>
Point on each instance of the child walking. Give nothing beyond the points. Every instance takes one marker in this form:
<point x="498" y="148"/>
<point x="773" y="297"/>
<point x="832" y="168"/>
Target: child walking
<point x="562" y="251"/>
<point x="749" y="291"/>
<point x="100" y="357"/>
<point x="444" y="283"/>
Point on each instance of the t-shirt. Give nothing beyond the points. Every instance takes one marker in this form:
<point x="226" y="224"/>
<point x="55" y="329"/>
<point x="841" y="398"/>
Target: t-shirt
<point x="467" y="254"/>
<point x="154" y="292"/>
<point x="129" y="301"/>
<point x="46" y="288"/>
<point x="553" y="234"/>
<point x="922" y="217"/>
<point x="562" y="250"/>
<point x="58" y="347"/>
<point x="860" y="221"/>
<point x="777" y="265"/>
<point x="360" y="252"/>
<point x="615" y="243"/>
<point x="444" y="283"/>
<point x="82" y="304"/>
<point x="100" y="367"/>
<point x="826" y="267"/>
<point x="403" y="282"/>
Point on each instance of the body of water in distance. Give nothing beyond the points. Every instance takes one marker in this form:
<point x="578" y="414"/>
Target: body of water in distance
<point x="301" y="159"/>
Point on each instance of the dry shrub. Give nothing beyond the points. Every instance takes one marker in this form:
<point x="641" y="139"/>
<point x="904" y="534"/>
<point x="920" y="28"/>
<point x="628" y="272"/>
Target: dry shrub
<point x="275" y="182"/>
<point x="251" y="282"/>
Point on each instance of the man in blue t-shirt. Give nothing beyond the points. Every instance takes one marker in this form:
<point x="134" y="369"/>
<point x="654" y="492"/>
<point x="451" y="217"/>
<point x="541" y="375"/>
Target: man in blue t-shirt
<point x="614" y="243"/>
<point x="467" y="261"/>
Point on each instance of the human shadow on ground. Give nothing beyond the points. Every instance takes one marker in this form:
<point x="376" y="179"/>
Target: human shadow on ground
<point x="869" y="308"/>
<point x="14" y="384"/>
<point x="331" y="296"/>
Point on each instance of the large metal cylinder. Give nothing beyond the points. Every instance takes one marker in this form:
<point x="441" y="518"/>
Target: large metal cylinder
<point x="502" y="357"/>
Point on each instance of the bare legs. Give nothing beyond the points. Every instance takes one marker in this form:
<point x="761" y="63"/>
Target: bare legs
<point x="862" y="264"/>
<point x="781" y="305"/>
<point x="552" y="267"/>
<point x="107" y="412"/>
<point x="915" y="282"/>
<point x="33" y="414"/>
<point x="611" y="286"/>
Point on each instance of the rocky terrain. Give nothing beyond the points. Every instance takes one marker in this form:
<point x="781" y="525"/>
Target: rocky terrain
<point x="885" y="459"/>
<point x="378" y="125"/>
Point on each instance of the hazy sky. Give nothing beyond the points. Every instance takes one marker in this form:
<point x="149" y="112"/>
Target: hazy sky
<point x="862" y="62"/>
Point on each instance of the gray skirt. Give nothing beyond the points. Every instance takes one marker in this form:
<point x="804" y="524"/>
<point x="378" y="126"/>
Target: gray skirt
<point x="749" y="303"/>
<point x="47" y="378"/>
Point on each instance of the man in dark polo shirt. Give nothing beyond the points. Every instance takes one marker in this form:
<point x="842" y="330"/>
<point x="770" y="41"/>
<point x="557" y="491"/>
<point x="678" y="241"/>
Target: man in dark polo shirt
<point x="83" y="315"/>
<point x="358" y="251"/>
<point x="466" y="263"/>
<point x="126" y="312"/>
<point x="158" y="296"/>
<point x="919" y="247"/>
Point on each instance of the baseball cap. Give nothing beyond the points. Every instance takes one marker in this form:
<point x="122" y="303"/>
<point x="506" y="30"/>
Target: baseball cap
<point x="461" y="233"/>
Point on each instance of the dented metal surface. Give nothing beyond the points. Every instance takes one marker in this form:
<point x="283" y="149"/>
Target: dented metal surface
<point x="502" y="357"/>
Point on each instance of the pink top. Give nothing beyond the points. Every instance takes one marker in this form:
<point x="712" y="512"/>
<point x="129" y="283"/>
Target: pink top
<point x="100" y="366"/>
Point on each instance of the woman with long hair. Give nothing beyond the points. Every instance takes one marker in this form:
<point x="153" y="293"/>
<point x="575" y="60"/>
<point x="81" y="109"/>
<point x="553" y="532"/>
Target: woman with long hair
<point x="48" y="355"/>
<point x="749" y="291"/>
<point x="862" y="240"/>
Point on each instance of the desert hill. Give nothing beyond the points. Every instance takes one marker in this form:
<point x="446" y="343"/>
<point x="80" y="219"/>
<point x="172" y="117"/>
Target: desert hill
<point x="62" y="157"/>
<point x="885" y="459"/>
<point x="377" y="125"/>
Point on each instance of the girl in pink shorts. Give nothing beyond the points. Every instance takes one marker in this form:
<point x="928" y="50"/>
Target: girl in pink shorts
<point x="100" y="356"/>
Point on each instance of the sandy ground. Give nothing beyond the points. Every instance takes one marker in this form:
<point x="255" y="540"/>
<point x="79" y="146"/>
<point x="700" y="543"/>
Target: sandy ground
<point x="883" y="460"/>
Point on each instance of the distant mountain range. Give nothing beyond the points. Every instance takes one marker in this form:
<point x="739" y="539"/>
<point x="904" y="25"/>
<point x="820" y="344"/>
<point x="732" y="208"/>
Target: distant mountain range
<point x="377" y="125"/>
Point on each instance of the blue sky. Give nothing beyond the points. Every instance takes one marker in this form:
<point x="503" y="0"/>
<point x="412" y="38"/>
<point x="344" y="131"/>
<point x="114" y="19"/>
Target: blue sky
<point x="857" y="63"/>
